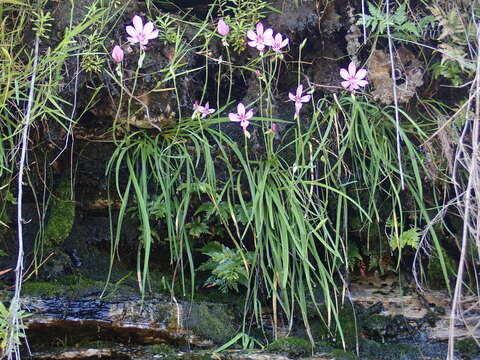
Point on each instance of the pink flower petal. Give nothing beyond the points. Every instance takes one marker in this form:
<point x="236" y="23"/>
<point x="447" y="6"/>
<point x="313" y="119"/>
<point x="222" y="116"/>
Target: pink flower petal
<point x="298" y="106"/>
<point x="148" y="27"/>
<point x="244" y="124"/>
<point x="284" y="43"/>
<point x="138" y="23"/>
<point x="268" y="37"/>
<point x="305" y="98"/>
<point x="234" y="117"/>
<point x="346" y="84"/>
<point x="362" y="73"/>
<point x="259" y="28"/>
<point x="344" y="74"/>
<point x="299" y="90"/>
<point x="362" y="83"/>
<point x="291" y="96"/>
<point x="152" y="35"/>
<point x="251" y="35"/>
<point x="132" y="40"/>
<point x="352" y="69"/>
<point x="249" y="114"/>
<point x="240" y="109"/>
<point x="252" y="44"/>
<point x="131" y="31"/>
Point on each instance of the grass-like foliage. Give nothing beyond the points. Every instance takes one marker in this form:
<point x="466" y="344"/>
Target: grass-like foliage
<point x="231" y="157"/>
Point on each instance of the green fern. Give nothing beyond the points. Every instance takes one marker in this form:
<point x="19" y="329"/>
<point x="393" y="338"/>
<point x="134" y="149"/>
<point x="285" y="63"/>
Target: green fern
<point x="406" y="238"/>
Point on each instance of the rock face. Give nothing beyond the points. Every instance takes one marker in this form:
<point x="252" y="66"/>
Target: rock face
<point x="429" y="312"/>
<point x="128" y="321"/>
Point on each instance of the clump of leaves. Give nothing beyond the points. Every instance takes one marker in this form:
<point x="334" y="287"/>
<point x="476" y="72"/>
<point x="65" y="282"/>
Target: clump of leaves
<point x="241" y="16"/>
<point x="42" y="23"/>
<point x="400" y="24"/>
<point x="406" y="238"/>
<point x="168" y="30"/>
<point x="197" y="228"/>
<point x="456" y="33"/>
<point x="93" y="59"/>
<point x="4" y="326"/>
<point x="227" y="266"/>
<point x="353" y="255"/>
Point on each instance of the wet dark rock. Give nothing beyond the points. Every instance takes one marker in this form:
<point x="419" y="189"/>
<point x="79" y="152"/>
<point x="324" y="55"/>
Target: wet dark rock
<point x="294" y="19"/>
<point x="376" y="326"/>
<point x="83" y="354"/>
<point x="389" y="351"/>
<point x="121" y="352"/>
<point x="128" y="321"/>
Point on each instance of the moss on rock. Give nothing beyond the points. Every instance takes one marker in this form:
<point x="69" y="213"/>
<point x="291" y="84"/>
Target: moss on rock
<point x="343" y="355"/>
<point x="43" y="289"/>
<point x="388" y="351"/>
<point x="468" y="348"/>
<point x="212" y="321"/>
<point x="164" y="350"/>
<point x="70" y="285"/>
<point x="61" y="216"/>
<point x="292" y="347"/>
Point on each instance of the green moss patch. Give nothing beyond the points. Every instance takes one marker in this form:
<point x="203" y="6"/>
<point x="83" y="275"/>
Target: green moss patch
<point x="468" y="348"/>
<point x="70" y="285"/>
<point x="212" y="321"/>
<point x="61" y="216"/>
<point x="292" y="347"/>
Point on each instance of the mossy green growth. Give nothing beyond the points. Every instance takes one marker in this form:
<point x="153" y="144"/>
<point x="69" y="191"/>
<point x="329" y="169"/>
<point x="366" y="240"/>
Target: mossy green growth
<point x="194" y="355"/>
<point x="61" y="216"/>
<point x="342" y="355"/>
<point x="212" y="321"/>
<point x="43" y="289"/>
<point x="292" y="347"/>
<point x="70" y="285"/>
<point x="436" y="279"/>
<point x="467" y="348"/>
<point x="377" y="350"/>
<point x="376" y="326"/>
<point x="162" y="349"/>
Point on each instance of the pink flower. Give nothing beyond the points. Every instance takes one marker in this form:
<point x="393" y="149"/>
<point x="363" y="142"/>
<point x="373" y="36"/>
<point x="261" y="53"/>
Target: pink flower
<point x="117" y="54"/>
<point x="140" y="33"/>
<point x="203" y="110"/>
<point x="353" y="78"/>
<point x="260" y="38"/>
<point x="222" y="27"/>
<point x="279" y="43"/>
<point x="241" y="116"/>
<point x="299" y="99"/>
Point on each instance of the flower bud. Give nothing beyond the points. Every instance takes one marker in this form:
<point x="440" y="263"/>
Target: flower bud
<point x="117" y="54"/>
<point x="222" y="27"/>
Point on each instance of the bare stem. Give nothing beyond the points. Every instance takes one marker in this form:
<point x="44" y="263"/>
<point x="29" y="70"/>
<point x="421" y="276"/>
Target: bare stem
<point x="14" y="321"/>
